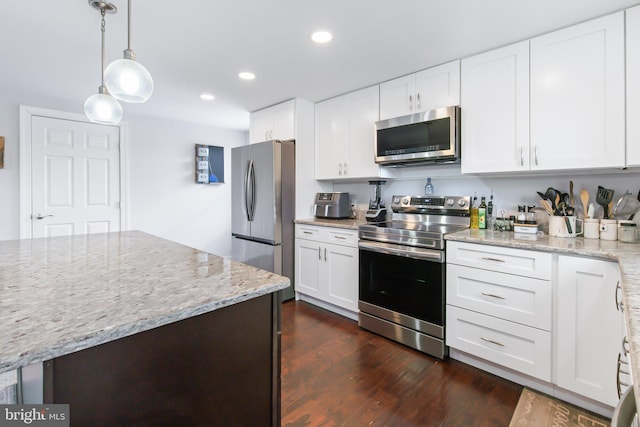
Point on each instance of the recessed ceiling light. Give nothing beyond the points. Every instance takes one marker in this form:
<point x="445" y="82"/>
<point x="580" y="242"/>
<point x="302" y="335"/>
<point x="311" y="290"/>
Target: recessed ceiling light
<point x="207" y="96"/>
<point x="245" y="75"/>
<point x="321" y="37"/>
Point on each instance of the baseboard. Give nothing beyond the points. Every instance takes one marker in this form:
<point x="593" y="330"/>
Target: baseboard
<point x="327" y="306"/>
<point x="533" y="383"/>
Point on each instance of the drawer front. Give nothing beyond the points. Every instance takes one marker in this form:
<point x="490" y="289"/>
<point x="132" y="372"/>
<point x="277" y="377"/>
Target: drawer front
<point x="521" y="348"/>
<point x="341" y="236"/>
<point x="308" y="232"/>
<point x="515" y="298"/>
<point x="496" y="258"/>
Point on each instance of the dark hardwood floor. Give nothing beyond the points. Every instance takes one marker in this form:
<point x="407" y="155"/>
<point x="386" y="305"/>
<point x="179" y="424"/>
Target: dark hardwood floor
<point x="336" y="374"/>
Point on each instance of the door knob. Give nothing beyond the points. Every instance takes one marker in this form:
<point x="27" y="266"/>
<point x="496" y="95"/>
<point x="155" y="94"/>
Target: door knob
<point x="39" y="216"/>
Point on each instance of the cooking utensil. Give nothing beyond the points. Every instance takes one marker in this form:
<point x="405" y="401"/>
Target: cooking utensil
<point x="556" y="203"/>
<point x="568" y="222"/>
<point x="571" y="198"/>
<point x="603" y="198"/>
<point x="591" y="211"/>
<point x="551" y="194"/>
<point x="542" y="195"/>
<point x="626" y="206"/>
<point x="584" y="197"/>
<point x="547" y="206"/>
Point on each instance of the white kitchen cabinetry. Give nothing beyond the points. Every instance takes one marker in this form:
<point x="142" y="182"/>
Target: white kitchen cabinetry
<point x="423" y="91"/>
<point x="578" y="96"/>
<point x="345" y="134"/>
<point x="499" y="305"/>
<point x="326" y="267"/>
<point x="495" y="110"/>
<point x="633" y="86"/>
<point x="276" y="122"/>
<point x="589" y="328"/>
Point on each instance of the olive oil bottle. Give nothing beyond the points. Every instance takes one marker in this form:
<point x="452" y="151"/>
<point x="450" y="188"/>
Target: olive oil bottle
<point x="482" y="214"/>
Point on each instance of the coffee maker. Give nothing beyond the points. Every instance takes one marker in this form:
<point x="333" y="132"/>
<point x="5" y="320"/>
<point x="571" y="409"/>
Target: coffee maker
<point x="376" y="211"/>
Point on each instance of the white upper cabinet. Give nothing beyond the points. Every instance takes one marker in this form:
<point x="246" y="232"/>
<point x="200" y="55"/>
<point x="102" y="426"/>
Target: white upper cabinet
<point x="423" y="91"/>
<point x="345" y="135"/>
<point x="578" y="96"/>
<point x="276" y="122"/>
<point x="633" y="86"/>
<point x="495" y="110"/>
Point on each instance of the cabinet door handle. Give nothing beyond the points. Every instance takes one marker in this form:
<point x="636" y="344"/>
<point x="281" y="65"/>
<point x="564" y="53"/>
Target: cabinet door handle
<point x="325" y="254"/>
<point x="619" y="303"/>
<point x="418" y="103"/>
<point x="319" y="253"/>
<point x="410" y="102"/>
<point x="521" y="156"/>
<point x="492" y="341"/>
<point x="492" y="259"/>
<point x="340" y="168"/>
<point x="344" y="168"/>
<point x="492" y="295"/>
<point x="535" y="154"/>
<point x="619" y="382"/>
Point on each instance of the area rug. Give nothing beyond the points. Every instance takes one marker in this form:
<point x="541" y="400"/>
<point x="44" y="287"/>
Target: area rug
<point x="539" y="410"/>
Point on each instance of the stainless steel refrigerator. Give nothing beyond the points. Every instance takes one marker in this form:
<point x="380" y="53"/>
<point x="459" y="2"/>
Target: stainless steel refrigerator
<point x="263" y="207"/>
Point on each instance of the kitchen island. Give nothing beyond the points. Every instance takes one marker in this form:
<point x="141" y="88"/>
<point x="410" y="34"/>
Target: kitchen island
<point x="137" y="330"/>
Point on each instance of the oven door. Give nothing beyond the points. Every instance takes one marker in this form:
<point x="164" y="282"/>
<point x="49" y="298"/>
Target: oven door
<point x="403" y="285"/>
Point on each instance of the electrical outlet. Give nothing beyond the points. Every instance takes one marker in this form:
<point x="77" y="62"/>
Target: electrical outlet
<point x="203" y="177"/>
<point x="203" y="165"/>
<point x="203" y="151"/>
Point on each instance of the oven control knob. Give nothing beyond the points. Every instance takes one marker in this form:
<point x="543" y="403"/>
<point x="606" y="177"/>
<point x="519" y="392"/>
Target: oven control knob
<point x="462" y="203"/>
<point x="450" y="202"/>
<point x="405" y="200"/>
<point x="396" y="200"/>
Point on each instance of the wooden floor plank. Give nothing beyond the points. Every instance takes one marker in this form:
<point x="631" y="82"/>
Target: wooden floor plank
<point x="336" y="374"/>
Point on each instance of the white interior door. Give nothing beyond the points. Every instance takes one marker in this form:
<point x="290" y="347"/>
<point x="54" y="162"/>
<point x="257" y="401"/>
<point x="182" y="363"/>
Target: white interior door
<point x="75" y="177"/>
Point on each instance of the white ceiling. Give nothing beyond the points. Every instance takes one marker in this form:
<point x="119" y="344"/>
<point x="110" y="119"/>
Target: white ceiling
<point x="52" y="50"/>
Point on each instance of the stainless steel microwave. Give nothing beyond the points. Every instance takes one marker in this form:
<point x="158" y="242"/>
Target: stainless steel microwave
<point x="428" y="137"/>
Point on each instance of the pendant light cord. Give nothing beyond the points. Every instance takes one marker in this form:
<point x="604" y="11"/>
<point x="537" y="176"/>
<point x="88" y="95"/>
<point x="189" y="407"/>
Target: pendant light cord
<point x="129" y="24"/>
<point x="102" y="25"/>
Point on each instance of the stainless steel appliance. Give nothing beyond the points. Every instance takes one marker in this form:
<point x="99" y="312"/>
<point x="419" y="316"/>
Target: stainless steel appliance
<point x="376" y="212"/>
<point x="263" y="206"/>
<point x="428" y="137"/>
<point x="332" y="205"/>
<point x="402" y="270"/>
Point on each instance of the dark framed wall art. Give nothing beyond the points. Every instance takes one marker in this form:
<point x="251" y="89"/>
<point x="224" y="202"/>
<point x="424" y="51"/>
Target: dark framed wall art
<point x="209" y="164"/>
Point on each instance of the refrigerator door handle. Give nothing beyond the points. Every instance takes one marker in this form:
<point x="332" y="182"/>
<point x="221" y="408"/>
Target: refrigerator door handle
<point x="252" y="185"/>
<point x="247" y="203"/>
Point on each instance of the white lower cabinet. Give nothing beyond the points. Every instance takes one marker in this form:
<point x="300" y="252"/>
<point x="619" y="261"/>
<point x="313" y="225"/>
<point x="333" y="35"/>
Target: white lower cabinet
<point x="589" y="330"/>
<point x="496" y="315"/>
<point x="556" y="318"/>
<point x="326" y="266"/>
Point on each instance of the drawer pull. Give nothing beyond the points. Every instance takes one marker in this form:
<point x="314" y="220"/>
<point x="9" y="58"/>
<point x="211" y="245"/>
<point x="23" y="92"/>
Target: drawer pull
<point x="492" y="341"/>
<point x="340" y="237"/>
<point x="619" y="303"/>
<point x="492" y="295"/>
<point x="307" y="232"/>
<point x="492" y="259"/>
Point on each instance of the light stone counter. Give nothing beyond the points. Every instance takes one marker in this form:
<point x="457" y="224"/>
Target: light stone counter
<point x="627" y="255"/>
<point x="350" y="223"/>
<point x="64" y="294"/>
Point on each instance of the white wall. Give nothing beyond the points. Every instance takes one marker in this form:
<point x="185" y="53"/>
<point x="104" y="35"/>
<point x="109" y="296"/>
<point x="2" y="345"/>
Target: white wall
<point x="164" y="199"/>
<point x="509" y="191"/>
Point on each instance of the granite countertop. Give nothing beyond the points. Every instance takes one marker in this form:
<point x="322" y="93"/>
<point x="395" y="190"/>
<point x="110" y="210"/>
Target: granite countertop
<point x="63" y="294"/>
<point x="350" y="223"/>
<point x="627" y="255"/>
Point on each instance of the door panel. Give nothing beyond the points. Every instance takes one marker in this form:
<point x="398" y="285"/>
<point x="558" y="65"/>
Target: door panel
<point x="267" y="161"/>
<point x="239" y="163"/>
<point x="75" y="169"/>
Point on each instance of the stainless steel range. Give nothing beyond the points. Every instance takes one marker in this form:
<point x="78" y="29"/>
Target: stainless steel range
<point x="402" y="270"/>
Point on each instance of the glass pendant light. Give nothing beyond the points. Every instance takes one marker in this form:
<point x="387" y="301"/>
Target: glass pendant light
<point x="103" y="108"/>
<point x="127" y="79"/>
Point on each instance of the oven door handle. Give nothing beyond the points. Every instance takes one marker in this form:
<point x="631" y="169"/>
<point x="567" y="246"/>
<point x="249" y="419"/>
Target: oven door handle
<point x="406" y="251"/>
